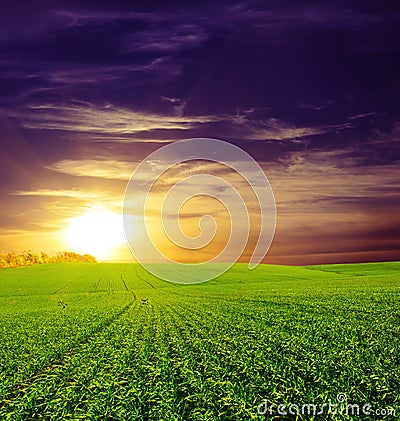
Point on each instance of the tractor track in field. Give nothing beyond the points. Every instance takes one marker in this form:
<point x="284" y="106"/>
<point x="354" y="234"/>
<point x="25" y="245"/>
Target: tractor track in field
<point x="63" y="287"/>
<point x="96" y="286"/>
<point x="19" y="388"/>
<point x="143" y="279"/>
<point x="126" y="286"/>
<point x="124" y="281"/>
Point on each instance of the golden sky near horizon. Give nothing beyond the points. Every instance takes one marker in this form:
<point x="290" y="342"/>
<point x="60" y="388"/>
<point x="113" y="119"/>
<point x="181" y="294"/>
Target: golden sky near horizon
<point x="310" y="91"/>
<point x="87" y="218"/>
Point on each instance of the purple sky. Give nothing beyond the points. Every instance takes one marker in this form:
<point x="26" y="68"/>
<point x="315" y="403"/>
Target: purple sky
<point x="309" y="89"/>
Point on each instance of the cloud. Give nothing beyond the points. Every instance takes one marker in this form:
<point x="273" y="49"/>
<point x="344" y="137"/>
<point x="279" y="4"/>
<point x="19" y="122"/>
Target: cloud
<point x="77" y="74"/>
<point x="69" y="197"/>
<point x="111" y="169"/>
<point x="275" y="129"/>
<point x="73" y="193"/>
<point x="362" y="115"/>
<point x="107" y="119"/>
<point x="112" y="123"/>
<point x="51" y="207"/>
<point x="295" y="14"/>
<point x="175" y="36"/>
<point x="331" y="207"/>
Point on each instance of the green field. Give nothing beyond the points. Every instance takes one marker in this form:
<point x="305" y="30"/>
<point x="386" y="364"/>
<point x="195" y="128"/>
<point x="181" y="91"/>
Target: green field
<point x="211" y="351"/>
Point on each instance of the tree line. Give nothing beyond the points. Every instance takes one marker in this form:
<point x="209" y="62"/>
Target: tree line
<point x="27" y="258"/>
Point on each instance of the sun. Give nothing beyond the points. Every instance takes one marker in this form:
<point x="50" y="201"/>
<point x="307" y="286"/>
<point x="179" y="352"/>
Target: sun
<point x="98" y="232"/>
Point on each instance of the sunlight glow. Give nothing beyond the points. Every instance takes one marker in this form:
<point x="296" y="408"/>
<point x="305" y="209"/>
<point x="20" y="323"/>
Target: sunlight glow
<point x="97" y="232"/>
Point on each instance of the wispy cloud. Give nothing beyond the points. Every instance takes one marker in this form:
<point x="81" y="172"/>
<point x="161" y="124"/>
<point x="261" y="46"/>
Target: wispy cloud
<point x="71" y="197"/>
<point x="312" y="183"/>
<point x="362" y="115"/>
<point x="110" y="169"/>
<point x="112" y="123"/>
<point x="295" y="14"/>
<point x="73" y="193"/>
<point x="60" y="204"/>
<point x="174" y="37"/>
<point x="108" y="119"/>
<point x="275" y="129"/>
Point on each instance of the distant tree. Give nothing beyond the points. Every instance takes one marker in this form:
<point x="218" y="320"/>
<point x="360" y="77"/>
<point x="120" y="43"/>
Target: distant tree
<point x="44" y="257"/>
<point x="89" y="259"/>
<point x="3" y="261"/>
<point x="11" y="258"/>
<point x="28" y="257"/>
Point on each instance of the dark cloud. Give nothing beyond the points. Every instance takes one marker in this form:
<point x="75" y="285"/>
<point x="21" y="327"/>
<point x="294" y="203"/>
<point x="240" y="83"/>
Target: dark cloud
<point x="226" y="56"/>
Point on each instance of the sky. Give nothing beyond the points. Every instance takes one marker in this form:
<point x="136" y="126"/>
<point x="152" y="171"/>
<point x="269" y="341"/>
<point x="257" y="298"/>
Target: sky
<point x="309" y="89"/>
